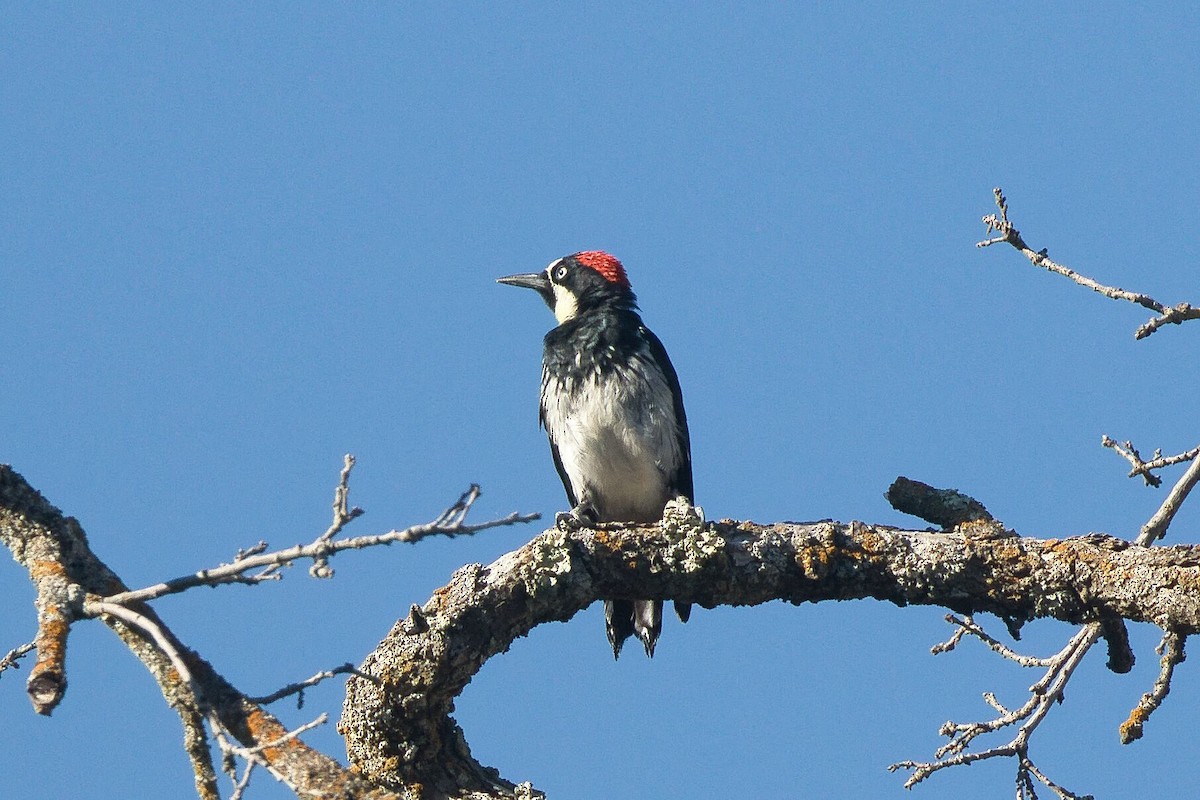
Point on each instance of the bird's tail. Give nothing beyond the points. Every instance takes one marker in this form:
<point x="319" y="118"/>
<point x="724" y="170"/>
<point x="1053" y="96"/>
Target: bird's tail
<point x="624" y="618"/>
<point x="647" y="622"/>
<point x="618" y="622"/>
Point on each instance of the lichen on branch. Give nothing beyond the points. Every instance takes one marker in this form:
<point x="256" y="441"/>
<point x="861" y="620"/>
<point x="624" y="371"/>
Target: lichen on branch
<point x="398" y="727"/>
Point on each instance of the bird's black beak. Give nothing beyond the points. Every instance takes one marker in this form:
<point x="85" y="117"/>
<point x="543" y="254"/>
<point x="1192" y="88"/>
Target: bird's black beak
<point x="538" y="281"/>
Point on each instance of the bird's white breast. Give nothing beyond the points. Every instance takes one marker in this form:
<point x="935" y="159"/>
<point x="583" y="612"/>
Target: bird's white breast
<point x="617" y="438"/>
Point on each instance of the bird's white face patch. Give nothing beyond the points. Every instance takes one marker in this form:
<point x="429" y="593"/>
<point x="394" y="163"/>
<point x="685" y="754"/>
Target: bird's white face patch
<point x="565" y="305"/>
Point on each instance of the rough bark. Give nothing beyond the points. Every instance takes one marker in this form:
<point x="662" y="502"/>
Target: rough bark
<point x="66" y="573"/>
<point x="399" y="732"/>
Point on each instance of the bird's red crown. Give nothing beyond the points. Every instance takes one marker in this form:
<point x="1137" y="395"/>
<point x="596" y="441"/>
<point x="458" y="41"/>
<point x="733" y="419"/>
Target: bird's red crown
<point x="606" y="265"/>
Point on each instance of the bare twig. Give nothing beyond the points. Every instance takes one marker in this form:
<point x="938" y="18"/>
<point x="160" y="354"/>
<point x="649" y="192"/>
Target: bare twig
<point x="952" y="642"/>
<point x="1156" y="527"/>
<point x="1130" y="453"/>
<point x="154" y="631"/>
<point x="1171" y="650"/>
<point x="1145" y="468"/>
<point x="287" y="737"/>
<point x="451" y="522"/>
<point x="1007" y="232"/>
<point x="1043" y="695"/>
<point x="342" y="516"/>
<point x="1171" y="316"/>
<point x="1028" y="768"/>
<point x="1159" y="461"/>
<point x="299" y="687"/>
<point x="1060" y="667"/>
<point x="12" y="657"/>
<point x="254" y="755"/>
<point x="968" y="625"/>
<point x="240" y="785"/>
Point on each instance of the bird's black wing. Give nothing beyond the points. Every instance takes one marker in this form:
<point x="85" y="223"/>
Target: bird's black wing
<point x="562" y="473"/>
<point x="681" y="481"/>
<point x="558" y="465"/>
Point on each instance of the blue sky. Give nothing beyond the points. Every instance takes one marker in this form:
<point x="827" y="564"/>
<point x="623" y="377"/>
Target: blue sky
<point x="238" y="242"/>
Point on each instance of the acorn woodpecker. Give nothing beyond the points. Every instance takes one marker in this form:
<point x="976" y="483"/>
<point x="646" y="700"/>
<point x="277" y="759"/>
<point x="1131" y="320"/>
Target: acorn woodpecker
<point x="613" y="411"/>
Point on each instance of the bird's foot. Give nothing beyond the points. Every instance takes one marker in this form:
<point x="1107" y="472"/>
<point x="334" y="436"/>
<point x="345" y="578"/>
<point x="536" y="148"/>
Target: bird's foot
<point x="581" y="516"/>
<point x="680" y="515"/>
<point x="682" y="509"/>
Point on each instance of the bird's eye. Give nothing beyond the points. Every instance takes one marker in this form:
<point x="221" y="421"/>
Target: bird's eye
<point x="560" y="273"/>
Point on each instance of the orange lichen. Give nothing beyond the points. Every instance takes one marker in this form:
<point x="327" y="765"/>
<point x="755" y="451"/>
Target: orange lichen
<point x="871" y="544"/>
<point x="815" y="561"/>
<point x="51" y="644"/>
<point x="1131" y="729"/>
<point x="603" y="539"/>
<point x="42" y="569"/>
<point x="265" y="728"/>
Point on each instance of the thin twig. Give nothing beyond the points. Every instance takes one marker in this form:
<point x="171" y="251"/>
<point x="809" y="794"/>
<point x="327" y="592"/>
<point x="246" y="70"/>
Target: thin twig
<point x="1145" y="468"/>
<point x="13" y="656"/>
<point x="342" y="516"/>
<point x="240" y="786"/>
<point x="230" y="752"/>
<point x="1130" y="453"/>
<point x="968" y="625"/>
<point x="287" y="737"/>
<point x="1171" y="649"/>
<point x="952" y="642"/>
<point x="1043" y="695"/>
<point x="1156" y="527"/>
<point x="1029" y="768"/>
<point x="1159" y="461"/>
<point x="299" y="687"/>
<point x="152" y="629"/>
<point x="450" y="522"/>
<point x="1007" y="232"/>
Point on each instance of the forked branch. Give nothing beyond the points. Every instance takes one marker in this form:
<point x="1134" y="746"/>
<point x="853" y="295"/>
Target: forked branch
<point x="1171" y="650"/>
<point x="13" y="657"/>
<point x="1059" y="667"/>
<point x="399" y="730"/>
<point x="1146" y="468"/>
<point x="73" y="584"/>
<point x="264" y="566"/>
<point x="1006" y="232"/>
<point x="1043" y="695"/>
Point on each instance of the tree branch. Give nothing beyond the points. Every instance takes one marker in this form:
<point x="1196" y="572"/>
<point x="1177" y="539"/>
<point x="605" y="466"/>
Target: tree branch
<point x="1043" y="695"/>
<point x="37" y="533"/>
<point x="396" y="718"/>
<point x="945" y="507"/>
<point x="1156" y="527"/>
<point x="1171" y="650"/>
<point x="299" y="687"/>
<point x="399" y="730"/>
<point x="451" y="522"/>
<point x="1146" y="468"/>
<point x="13" y="657"/>
<point x="1007" y="232"/>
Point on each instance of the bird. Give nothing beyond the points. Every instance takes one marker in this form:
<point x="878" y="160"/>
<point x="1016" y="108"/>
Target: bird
<point x="612" y="409"/>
